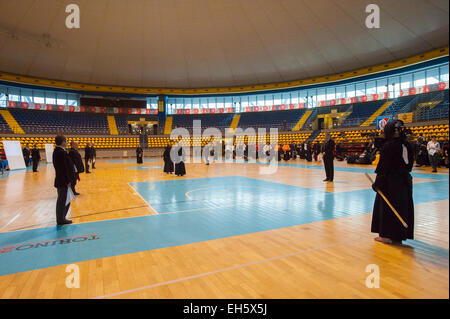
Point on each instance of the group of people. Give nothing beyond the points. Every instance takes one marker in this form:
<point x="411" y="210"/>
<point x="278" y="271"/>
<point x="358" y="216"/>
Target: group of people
<point x="68" y="166"/>
<point x="31" y="157"/>
<point x="173" y="159"/>
<point x="431" y="153"/>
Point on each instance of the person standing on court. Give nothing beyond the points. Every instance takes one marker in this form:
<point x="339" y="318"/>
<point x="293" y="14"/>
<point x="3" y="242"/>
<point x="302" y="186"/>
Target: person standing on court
<point x="168" y="164"/>
<point x="64" y="175"/>
<point x="26" y="155"/>
<point x="139" y="154"/>
<point x="180" y="169"/>
<point x="328" y="157"/>
<point x="433" y="148"/>
<point x="87" y="156"/>
<point x="94" y="155"/>
<point x="395" y="182"/>
<point x="36" y="157"/>
<point x="78" y="164"/>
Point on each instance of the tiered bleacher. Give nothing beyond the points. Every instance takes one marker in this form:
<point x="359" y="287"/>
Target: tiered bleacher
<point x="4" y="127"/>
<point x="272" y="119"/>
<point x="361" y="112"/>
<point x="34" y="121"/>
<point x="434" y="111"/>
<point x="220" y="121"/>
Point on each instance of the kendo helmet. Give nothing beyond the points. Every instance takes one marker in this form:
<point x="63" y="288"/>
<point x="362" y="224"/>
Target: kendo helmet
<point x="394" y="129"/>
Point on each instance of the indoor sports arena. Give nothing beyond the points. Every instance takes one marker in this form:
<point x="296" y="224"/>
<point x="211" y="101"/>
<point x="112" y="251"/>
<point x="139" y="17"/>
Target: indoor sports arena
<point x="224" y="149"/>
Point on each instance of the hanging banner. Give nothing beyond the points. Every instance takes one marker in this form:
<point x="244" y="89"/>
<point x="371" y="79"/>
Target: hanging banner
<point x="382" y="121"/>
<point x="405" y="117"/>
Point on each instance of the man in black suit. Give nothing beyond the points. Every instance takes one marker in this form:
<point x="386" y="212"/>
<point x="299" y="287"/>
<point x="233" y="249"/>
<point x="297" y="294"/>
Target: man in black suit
<point x="328" y="157"/>
<point x="87" y="156"/>
<point x="64" y="175"/>
<point x="77" y="162"/>
<point x="36" y="157"/>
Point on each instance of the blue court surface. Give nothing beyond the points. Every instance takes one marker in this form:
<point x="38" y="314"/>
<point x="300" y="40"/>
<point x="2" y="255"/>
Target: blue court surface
<point x="194" y="210"/>
<point x="129" y="160"/>
<point x="144" y="167"/>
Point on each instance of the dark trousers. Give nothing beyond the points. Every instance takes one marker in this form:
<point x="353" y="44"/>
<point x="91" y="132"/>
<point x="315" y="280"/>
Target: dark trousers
<point x="433" y="160"/>
<point x="86" y="163"/>
<point x="74" y="183"/>
<point x="329" y="167"/>
<point x="61" y="208"/>
<point x="35" y="164"/>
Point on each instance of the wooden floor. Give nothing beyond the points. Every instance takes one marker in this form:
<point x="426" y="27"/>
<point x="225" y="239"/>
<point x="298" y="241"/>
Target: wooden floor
<point x="325" y="259"/>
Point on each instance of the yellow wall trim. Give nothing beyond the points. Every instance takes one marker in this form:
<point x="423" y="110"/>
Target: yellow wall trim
<point x="8" y="77"/>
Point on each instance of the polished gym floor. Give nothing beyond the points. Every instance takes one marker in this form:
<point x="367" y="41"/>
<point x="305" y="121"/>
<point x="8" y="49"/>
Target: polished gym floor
<point x="227" y="230"/>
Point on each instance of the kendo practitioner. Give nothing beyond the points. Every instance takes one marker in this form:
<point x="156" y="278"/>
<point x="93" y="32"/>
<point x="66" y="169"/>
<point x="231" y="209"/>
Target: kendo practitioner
<point x="293" y="150"/>
<point x="287" y="152"/>
<point x="26" y="155"/>
<point x="245" y="146"/>
<point x="328" y="157"/>
<point x="308" y="152"/>
<point x="87" y="156"/>
<point x="316" y="150"/>
<point x="94" y="155"/>
<point x="139" y="154"/>
<point x="75" y="157"/>
<point x="279" y="151"/>
<point x="395" y="182"/>
<point x="168" y="164"/>
<point x="36" y="157"/>
<point x="180" y="169"/>
<point x="63" y="177"/>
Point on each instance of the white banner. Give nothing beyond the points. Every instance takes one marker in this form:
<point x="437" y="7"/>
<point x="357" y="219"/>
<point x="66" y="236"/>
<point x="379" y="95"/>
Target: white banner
<point x="14" y="155"/>
<point x="49" y="152"/>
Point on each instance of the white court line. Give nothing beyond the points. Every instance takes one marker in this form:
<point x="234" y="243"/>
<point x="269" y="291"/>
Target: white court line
<point x="221" y="270"/>
<point x="11" y="221"/>
<point x="137" y="193"/>
<point x="194" y="210"/>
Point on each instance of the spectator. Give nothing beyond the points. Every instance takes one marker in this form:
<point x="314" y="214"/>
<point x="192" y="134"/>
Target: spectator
<point x="433" y="148"/>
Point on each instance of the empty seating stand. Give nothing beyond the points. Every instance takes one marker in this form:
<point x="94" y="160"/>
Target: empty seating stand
<point x="33" y="121"/>
<point x="220" y="121"/>
<point x="361" y="112"/>
<point x="271" y="119"/>
<point x="4" y="127"/>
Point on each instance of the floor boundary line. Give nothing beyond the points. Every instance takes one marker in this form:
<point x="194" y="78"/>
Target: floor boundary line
<point x="164" y="283"/>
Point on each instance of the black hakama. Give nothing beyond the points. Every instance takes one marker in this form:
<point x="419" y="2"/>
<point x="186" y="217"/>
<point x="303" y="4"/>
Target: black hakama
<point x="168" y="164"/>
<point x="180" y="169"/>
<point x="394" y="180"/>
<point x="139" y="155"/>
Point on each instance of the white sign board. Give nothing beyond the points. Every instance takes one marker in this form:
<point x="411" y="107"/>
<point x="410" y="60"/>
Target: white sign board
<point x="13" y="152"/>
<point x="49" y="152"/>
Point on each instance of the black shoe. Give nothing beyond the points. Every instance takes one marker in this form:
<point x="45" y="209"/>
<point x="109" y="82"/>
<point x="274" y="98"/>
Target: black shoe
<point x="326" y="180"/>
<point x="88" y="172"/>
<point x="65" y="222"/>
<point x="75" y="193"/>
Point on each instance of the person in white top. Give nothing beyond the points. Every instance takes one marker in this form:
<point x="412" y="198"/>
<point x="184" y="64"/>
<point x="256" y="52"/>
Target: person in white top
<point x="267" y="149"/>
<point x="229" y="148"/>
<point x="433" y="147"/>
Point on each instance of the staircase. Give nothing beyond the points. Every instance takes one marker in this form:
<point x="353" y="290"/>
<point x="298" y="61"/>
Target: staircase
<point x="302" y="120"/>
<point x="371" y="118"/>
<point x="112" y="125"/>
<point x="234" y="123"/>
<point x="311" y="118"/>
<point x="313" y="136"/>
<point x="168" y="125"/>
<point x="14" y="126"/>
